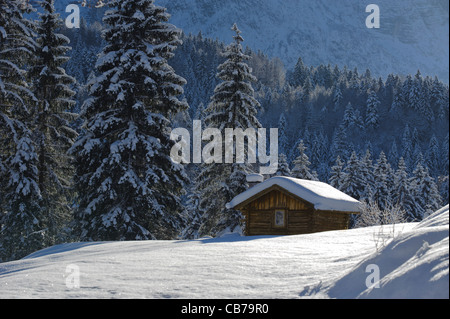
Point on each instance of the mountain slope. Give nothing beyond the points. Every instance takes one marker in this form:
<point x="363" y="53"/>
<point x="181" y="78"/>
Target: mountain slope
<point x="413" y="35"/>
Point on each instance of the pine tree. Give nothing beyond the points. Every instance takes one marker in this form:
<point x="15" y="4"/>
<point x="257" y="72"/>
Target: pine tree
<point x="393" y="154"/>
<point x="232" y="106"/>
<point x="337" y="174"/>
<point x="21" y="221"/>
<point x="366" y="174"/>
<point x="426" y="195"/>
<point x="402" y="190"/>
<point x="23" y="228"/>
<point x="301" y="72"/>
<point x="372" y="118"/>
<point x="407" y="146"/>
<point x="283" y="166"/>
<point x="433" y="156"/>
<point x="282" y="134"/>
<point x="353" y="183"/>
<point x="192" y="215"/>
<point x="302" y="165"/>
<point x="337" y="98"/>
<point x="443" y="186"/>
<point x="383" y="183"/>
<point x="128" y="185"/>
<point x="445" y="155"/>
<point x="339" y="146"/>
<point x="53" y="134"/>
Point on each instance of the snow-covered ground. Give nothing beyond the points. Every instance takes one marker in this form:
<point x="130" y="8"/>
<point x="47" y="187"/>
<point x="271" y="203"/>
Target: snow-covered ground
<point x="415" y="264"/>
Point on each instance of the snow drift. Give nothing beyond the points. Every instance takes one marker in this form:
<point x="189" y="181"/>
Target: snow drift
<point x="412" y="265"/>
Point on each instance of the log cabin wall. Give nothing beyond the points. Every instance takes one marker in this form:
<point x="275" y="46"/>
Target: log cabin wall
<point x="299" y="216"/>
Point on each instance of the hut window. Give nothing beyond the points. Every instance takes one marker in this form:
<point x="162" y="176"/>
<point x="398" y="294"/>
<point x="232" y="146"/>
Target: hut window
<point x="280" y="218"/>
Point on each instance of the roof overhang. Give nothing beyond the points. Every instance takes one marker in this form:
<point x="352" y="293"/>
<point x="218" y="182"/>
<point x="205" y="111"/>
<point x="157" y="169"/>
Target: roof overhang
<point x="322" y="196"/>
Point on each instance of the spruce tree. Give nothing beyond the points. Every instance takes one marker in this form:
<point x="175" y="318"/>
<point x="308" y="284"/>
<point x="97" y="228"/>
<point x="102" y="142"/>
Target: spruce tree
<point x="23" y="228"/>
<point x="127" y="184"/>
<point x="283" y="166"/>
<point x="353" y="183"/>
<point x="337" y="174"/>
<point x="337" y="98"/>
<point x="21" y="220"/>
<point x="302" y="165"/>
<point x="282" y="134"/>
<point x="367" y="176"/>
<point x="372" y="117"/>
<point x="383" y="176"/>
<point x="53" y="133"/>
<point x="233" y="105"/>
<point x="433" y="159"/>
<point x="426" y="195"/>
<point x="402" y="190"/>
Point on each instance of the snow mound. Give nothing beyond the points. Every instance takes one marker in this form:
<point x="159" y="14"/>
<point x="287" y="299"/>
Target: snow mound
<point x="414" y="265"/>
<point x="321" y="195"/>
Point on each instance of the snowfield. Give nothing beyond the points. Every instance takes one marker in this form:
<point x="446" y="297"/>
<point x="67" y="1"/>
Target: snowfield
<point x="415" y="264"/>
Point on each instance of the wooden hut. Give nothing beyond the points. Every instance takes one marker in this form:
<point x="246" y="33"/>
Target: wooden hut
<point x="289" y="206"/>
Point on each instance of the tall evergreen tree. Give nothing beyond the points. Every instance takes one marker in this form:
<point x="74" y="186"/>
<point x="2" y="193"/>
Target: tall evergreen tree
<point x="337" y="174"/>
<point x="372" y="117"/>
<point x="300" y="73"/>
<point x="383" y="178"/>
<point x="53" y="134"/>
<point x="283" y="142"/>
<point x="233" y="105"/>
<point x="433" y="156"/>
<point x="21" y="221"/>
<point x="283" y="166"/>
<point x="337" y="98"/>
<point x="128" y="185"/>
<point x="402" y="190"/>
<point x="302" y="165"/>
<point x="353" y="183"/>
<point x="426" y="195"/>
<point x="366" y="174"/>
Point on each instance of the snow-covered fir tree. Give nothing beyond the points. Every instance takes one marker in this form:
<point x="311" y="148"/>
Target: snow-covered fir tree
<point x="302" y="165"/>
<point x="372" y="117"/>
<point x="21" y="221"/>
<point x="192" y="216"/>
<point x="366" y="174"/>
<point x="337" y="98"/>
<point x="353" y="183"/>
<point x="23" y="225"/>
<point x="339" y="145"/>
<point x="433" y="156"/>
<point x="383" y="182"/>
<point x="402" y="193"/>
<point x="337" y="174"/>
<point x="283" y="166"/>
<point x="233" y="105"/>
<point x="128" y="185"/>
<point x="283" y="141"/>
<point x="52" y="131"/>
<point x="426" y="194"/>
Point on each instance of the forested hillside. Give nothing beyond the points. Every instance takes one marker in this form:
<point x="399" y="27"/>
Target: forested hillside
<point x="86" y="116"/>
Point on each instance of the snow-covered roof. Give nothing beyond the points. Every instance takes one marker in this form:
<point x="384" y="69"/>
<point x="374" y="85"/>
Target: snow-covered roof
<point x="321" y="195"/>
